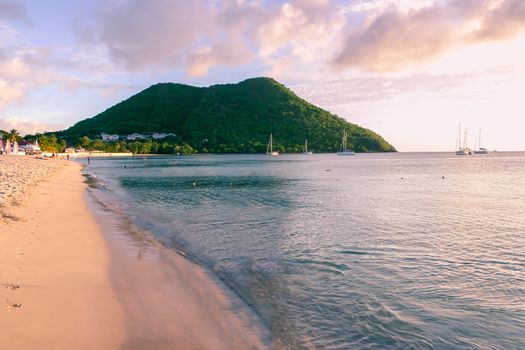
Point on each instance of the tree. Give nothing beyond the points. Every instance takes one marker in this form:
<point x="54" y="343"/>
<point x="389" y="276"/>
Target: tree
<point x="13" y="135"/>
<point x="85" y="142"/>
<point x="49" y="143"/>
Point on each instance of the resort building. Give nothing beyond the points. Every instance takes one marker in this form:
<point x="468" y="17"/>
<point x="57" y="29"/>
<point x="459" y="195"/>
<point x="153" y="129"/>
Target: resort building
<point x="109" y="137"/>
<point x="135" y="136"/>
<point x="161" y="135"/>
<point x="28" y="147"/>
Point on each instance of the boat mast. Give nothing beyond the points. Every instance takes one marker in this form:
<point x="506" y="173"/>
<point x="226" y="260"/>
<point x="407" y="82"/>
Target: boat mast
<point x="465" y="140"/>
<point x="458" y="139"/>
<point x="306" y="145"/>
<point x="271" y="143"/>
<point x="479" y="139"/>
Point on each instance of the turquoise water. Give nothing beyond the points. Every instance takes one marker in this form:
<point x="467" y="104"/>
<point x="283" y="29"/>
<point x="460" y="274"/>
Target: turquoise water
<point x="368" y="252"/>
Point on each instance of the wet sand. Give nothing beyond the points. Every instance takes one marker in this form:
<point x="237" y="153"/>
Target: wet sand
<point x="169" y="301"/>
<point x="73" y="280"/>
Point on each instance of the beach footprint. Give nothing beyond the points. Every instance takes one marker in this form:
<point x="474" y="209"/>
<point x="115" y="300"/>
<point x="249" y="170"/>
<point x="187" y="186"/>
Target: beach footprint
<point x="9" y="305"/>
<point x="10" y="286"/>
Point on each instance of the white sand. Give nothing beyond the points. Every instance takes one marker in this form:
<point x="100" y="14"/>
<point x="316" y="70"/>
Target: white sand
<point x="17" y="175"/>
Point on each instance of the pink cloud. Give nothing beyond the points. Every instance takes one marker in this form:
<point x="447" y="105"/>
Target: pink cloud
<point x="25" y="127"/>
<point x="393" y="39"/>
<point x="505" y="20"/>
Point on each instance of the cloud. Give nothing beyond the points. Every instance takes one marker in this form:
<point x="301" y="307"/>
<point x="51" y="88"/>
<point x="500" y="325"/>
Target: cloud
<point x="10" y="92"/>
<point x="503" y="21"/>
<point x="393" y="39"/>
<point x="155" y="32"/>
<point x="22" y="69"/>
<point x="296" y="36"/>
<point x="13" y="10"/>
<point x="14" y="67"/>
<point x="25" y="127"/>
<point x="193" y="35"/>
<point x="199" y="35"/>
<point x="26" y="68"/>
<point x="207" y="57"/>
<point x="300" y="38"/>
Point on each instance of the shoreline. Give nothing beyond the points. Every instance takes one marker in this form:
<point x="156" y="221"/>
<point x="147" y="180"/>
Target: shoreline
<point x="72" y="276"/>
<point x="170" y="301"/>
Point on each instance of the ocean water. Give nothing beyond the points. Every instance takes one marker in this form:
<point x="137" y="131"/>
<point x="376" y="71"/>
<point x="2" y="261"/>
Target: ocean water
<point x="376" y="251"/>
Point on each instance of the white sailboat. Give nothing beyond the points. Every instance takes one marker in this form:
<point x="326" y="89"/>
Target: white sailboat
<point x="480" y="150"/>
<point x="305" y="150"/>
<point x="269" y="148"/>
<point x="462" y="149"/>
<point x="344" y="151"/>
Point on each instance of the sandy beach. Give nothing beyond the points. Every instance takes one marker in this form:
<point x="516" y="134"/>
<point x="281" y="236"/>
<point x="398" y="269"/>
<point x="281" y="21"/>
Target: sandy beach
<point x="55" y="290"/>
<point x="70" y="279"/>
<point x="17" y="175"/>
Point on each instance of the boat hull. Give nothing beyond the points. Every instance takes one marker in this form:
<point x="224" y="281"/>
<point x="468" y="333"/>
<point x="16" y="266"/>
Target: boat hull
<point x="481" y="151"/>
<point x="346" y="153"/>
<point x="463" y="152"/>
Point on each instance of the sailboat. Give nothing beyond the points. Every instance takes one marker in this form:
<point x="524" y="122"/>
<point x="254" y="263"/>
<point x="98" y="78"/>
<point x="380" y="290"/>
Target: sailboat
<point x="305" y="150"/>
<point x="269" y="148"/>
<point x="462" y="150"/>
<point x="344" y="151"/>
<point x="480" y="150"/>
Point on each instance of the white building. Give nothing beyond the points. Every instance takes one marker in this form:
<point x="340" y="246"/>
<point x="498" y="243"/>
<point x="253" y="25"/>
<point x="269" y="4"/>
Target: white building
<point x="161" y="135"/>
<point x="29" y="147"/>
<point x="135" y="136"/>
<point x="109" y="137"/>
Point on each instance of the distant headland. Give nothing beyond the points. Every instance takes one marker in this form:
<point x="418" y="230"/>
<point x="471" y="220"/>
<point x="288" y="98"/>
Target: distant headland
<point x="229" y="118"/>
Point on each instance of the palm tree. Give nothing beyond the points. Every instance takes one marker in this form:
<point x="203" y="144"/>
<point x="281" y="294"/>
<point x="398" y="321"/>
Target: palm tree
<point x="13" y="135"/>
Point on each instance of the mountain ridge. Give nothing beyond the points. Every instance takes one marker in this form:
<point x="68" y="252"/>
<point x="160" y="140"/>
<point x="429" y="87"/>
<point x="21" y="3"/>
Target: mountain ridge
<point x="235" y="117"/>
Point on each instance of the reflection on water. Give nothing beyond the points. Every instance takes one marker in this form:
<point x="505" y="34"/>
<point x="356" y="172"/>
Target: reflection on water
<point x="396" y="250"/>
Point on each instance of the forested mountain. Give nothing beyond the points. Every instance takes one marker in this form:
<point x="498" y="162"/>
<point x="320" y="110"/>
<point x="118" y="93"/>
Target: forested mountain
<point x="229" y="118"/>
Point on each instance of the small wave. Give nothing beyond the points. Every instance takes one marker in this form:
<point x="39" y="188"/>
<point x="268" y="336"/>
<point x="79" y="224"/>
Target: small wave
<point x="354" y="252"/>
<point x="340" y="267"/>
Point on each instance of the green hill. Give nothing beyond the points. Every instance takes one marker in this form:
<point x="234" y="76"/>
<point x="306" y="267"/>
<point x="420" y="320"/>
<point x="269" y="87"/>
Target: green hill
<point x="229" y="118"/>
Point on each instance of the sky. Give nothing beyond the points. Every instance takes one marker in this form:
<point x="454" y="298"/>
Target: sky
<point x="410" y="70"/>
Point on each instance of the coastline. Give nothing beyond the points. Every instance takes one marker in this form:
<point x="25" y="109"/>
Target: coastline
<point x="72" y="276"/>
<point x="169" y="301"/>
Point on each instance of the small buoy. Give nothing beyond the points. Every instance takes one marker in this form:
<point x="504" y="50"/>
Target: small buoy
<point x="194" y="183"/>
<point x="442" y="177"/>
<point x="402" y="178"/>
